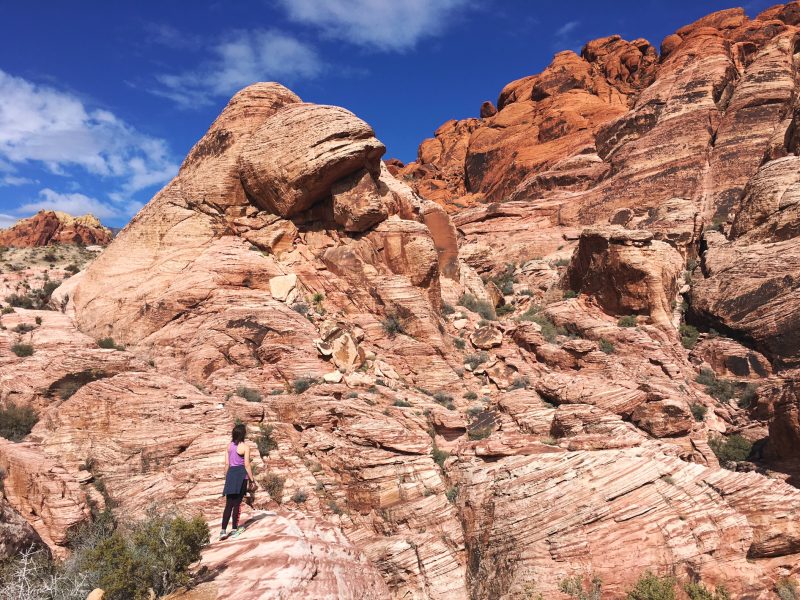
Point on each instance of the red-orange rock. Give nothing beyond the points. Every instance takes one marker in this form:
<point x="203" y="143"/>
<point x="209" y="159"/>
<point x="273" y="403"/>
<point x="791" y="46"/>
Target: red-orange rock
<point x="54" y="227"/>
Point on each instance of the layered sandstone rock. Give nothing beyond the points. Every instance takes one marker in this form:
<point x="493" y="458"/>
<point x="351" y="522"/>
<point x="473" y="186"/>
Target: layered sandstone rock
<point x="54" y="227"/>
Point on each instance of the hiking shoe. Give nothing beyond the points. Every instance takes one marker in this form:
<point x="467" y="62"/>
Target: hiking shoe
<point x="222" y="535"/>
<point x="237" y="532"/>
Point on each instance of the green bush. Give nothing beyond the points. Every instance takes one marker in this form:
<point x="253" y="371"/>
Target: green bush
<point x="248" y="394"/>
<point x="300" y="308"/>
<point x="7" y="310"/>
<point x="697" y="591"/>
<point x="606" y="346"/>
<point x="107" y="343"/>
<point x="299" y="496"/>
<point x="155" y="555"/>
<point x="627" y="321"/>
<point x="445" y="400"/>
<point x="471" y="396"/>
<point x="301" y="384"/>
<point x="459" y="343"/>
<point x="698" y="411"/>
<point x="549" y="329"/>
<point x="24" y="328"/>
<point x="439" y="456"/>
<point x="519" y="382"/>
<point x="392" y="325"/>
<point x="265" y="442"/>
<point x="479" y="433"/>
<point x="732" y="448"/>
<point x="317" y="297"/>
<point x="504" y="310"/>
<point x="570" y="294"/>
<point x="652" y="587"/>
<point x="574" y="588"/>
<point x="747" y="395"/>
<point x="451" y="494"/>
<point x="72" y="268"/>
<point x="562" y="262"/>
<point x="721" y="389"/>
<point x="402" y="403"/>
<point x="16" y="421"/>
<point x="22" y="350"/>
<point x="447" y="309"/>
<point x="787" y="589"/>
<point x="689" y="335"/>
<point x="19" y="301"/>
<point x="482" y="307"/>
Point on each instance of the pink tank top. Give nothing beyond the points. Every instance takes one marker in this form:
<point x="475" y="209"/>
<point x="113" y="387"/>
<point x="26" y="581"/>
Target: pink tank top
<point x="234" y="458"/>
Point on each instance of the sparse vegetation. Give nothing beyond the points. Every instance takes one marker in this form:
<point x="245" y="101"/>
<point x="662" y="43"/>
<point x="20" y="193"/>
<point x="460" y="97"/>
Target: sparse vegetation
<point x="299" y="496"/>
<point x="653" y="587"/>
<point x="392" y="325"/>
<point x="733" y="448"/>
<point x="520" y="382"/>
<point x="301" y="384"/>
<point x="697" y="591"/>
<point x="439" y="456"/>
<point x="482" y="307"/>
<point x="318" y="297"/>
<point x="606" y="346"/>
<point x="474" y="360"/>
<point x="248" y="394"/>
<point x="627" y="321"/>
<point x="402" y="403"/>
<point x="459" y="343"/>
<point x="720" y="389"/>
<point x="505" y="309"/>
<point x="273" y="485"/>
<point x="452" y="494"/>
<point x="505" y="280"/>
<point x="479" y="433"/>
<point x="574" y="587"/>
<point x="787" y="589"/>
<point x="549" y="329"/>
<point x="24" y="328"/>
<point x="747" y="395"/>
<point x="562" y="262"/>
<point x="67" y="389"/>
<point x="698" y="411"/>
<point x="447" y="309"/>
<point x="22" y="350"/>
<point x="689" y="335"/>
<point x="570" y="294"/>
<point x="470" y="396"/>
<point x="300" y="308"/>
<point x="16" y="421"/>
<point x="265" y="441"/>
<point x="107" y="343"/>
<point x="444" y="399"/>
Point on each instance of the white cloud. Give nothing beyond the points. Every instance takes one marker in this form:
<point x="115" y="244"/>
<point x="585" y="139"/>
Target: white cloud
<point x="74" y="204"/>
<point x="241" y="58"/>
<point x="40" y="124"/>
<point x="12" y="180"/>
<point x="6" y="221"/>
<point x="389" y="25"/>
<point x="567" y="28"/>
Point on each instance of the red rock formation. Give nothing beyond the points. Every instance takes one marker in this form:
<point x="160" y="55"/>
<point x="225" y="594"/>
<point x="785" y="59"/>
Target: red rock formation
<point x="53" y="227"/>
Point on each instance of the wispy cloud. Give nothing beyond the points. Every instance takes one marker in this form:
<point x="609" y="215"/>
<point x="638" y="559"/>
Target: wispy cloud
<point x="6" y="221"/>
<point x="566" y="28"/>
<point x="55" y="131"/>
<point x="74" y="204"/>
<point x="14" y="180"/>
<point x="387" y="25"/>
<point x="239" y="59"/>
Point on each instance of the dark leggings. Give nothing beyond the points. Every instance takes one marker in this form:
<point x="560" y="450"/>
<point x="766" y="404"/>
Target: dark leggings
<point x="233" y="503"/>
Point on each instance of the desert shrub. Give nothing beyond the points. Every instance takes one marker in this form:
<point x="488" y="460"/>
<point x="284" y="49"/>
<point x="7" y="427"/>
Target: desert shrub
<point x="787" y="590"/>
<point x="67" y="389"/>
<point x="721" y="389"/>
<point x="459" y="343"/>
<point x="447" y="309"/>
<point x="265" y="442"/>
<point x="299" y="496"/>
<point x="747" y="395"/>
<point x="7" y="310"/>
<point x="504" y="310"/>
<point x="697" y="591"/>
<point x="248" y="394"/>
<point x="733" y="448"/>
<point x="482" y="307"/>
<point x="452" y="493"/>
<point x="471" y="396"/>
<point x="301" y="384"/>
<point x="474" y="360"/>
<point x="519" y="382"/>
<point x="72" y="268"/>
<point x="19" y="301"/>
<point x="300" y="308"/>
<point x="317" y="297"/>
<point x="689" y="335"/>
<point x="24" y="328"/>
<point x="505" y="280"/>
<point x="402" y="403"/>
<point x="16" y="421"/>
<point x="154" y="555"/>
<point x="652" y="587"/>
<point x="38" y="320"/>
<point x="526" y="292"/>
<point x="392" y="325"/>
<point x="479" y="433"/>
<point x="549" y="329"/>
<point x="445" y="400"/>
<point x="606" y="346"/>
<point x="698" y="411"/>
<point x="273" y="485"/>
<point x="33" y="576"/>
<point x="561" y="262"/>
<point x="627" y="321"/>
<point x="439" y="456"/>
<point x="107" y="343"/>
<point x="570" y="294"/>
<point x="22" y="350"/>
<point x="574" y="587"/>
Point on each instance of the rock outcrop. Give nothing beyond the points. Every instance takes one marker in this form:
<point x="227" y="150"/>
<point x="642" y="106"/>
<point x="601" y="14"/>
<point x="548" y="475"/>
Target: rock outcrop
<point x="54" y="227"/>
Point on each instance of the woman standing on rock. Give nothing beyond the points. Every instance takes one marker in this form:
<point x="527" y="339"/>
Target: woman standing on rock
<point x="237" y="474"/>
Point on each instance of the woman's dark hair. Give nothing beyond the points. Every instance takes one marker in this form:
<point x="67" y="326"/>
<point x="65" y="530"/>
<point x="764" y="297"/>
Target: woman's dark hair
<point x="239" y="432"/>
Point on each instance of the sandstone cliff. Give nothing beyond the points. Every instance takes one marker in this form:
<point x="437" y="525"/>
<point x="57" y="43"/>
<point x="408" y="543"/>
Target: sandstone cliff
<point x="55" y="227"/>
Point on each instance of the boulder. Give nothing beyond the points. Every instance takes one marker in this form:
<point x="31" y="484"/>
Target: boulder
<point x="357" y="202"/>
<point x="486" y="337"/>
<point x="281" y="287"/>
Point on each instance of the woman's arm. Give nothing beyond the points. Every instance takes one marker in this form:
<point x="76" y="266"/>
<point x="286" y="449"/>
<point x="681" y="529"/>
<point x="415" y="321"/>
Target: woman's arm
<point x="247" y="462"/>
<point x="226" y="462"/>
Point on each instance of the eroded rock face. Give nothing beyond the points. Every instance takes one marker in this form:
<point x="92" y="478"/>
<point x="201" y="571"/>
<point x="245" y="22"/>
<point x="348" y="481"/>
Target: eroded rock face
<point x="54" y="227"/>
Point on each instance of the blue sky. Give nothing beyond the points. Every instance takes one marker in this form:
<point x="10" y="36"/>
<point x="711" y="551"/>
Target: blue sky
<point x="101" y="100"/>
